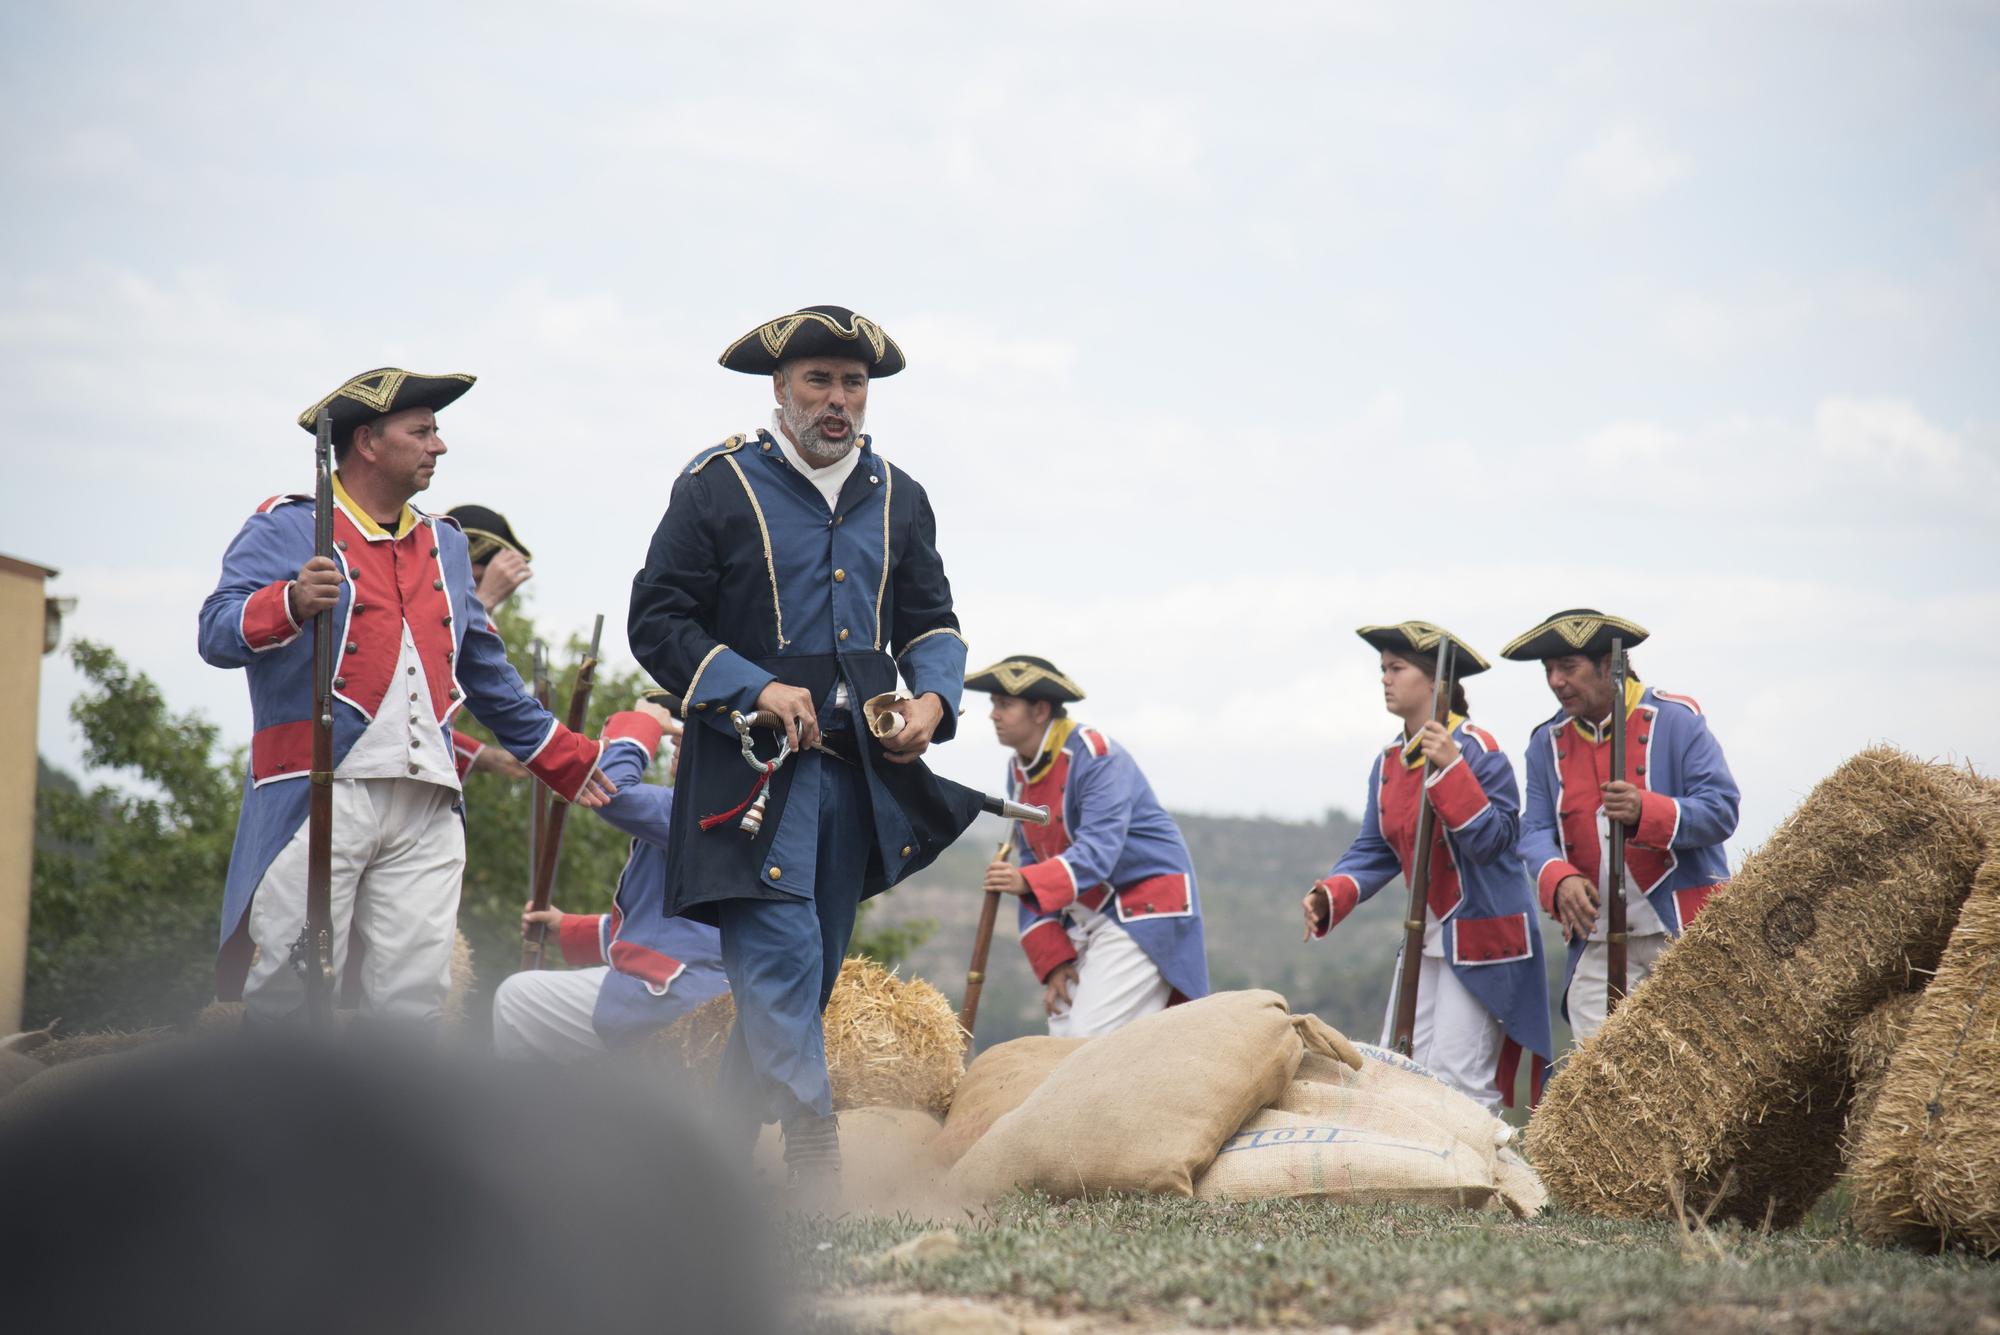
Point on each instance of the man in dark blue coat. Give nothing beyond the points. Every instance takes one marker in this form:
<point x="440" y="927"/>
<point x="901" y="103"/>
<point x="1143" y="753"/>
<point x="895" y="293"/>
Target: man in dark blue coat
<point x="796" y="573"/>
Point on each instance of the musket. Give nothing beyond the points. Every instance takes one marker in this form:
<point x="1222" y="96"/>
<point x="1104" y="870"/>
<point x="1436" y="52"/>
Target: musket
<point x="548" y="849"/>
<point x="1614" y="885"/>
<point x="538" y="795"/>
<point x="1004" y="808"/>
<point x="312" y="953"/>
<point x="982" y="941"/>
<point x="1404" y="1034"/>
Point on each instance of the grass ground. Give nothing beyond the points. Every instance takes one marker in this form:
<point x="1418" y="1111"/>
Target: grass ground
<point x="1160" y="1263"/>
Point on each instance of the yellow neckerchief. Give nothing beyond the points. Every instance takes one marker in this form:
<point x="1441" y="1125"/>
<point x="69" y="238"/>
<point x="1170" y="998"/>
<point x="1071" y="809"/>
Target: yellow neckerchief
<point x="1052" y="744"/>
<point x="365" y="521"/>
<point x="1597" y="732"/>
<point x="1413" y="755"/>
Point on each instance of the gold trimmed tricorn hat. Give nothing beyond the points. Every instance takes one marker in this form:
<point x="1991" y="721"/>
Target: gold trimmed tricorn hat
<point x="1422" y="637"/>
<point x="1579" y="630"/>
<point x="385" y="390"/>
<point x="487" y="531"/>
<point x="1026" y="677"/>
<point x="814" y="331"/>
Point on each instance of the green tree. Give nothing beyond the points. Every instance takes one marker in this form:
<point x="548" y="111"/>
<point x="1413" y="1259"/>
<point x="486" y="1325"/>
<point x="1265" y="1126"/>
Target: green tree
<point x="128" y="881"/>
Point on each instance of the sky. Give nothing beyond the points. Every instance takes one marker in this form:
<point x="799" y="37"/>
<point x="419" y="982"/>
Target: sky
<point x="1230" y="328"/>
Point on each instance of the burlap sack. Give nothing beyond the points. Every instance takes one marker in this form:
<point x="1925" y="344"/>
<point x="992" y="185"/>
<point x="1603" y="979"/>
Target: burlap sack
<point x="1397" y="1079"/>
<point x="16" y="1069"/>
<point x="1144" y="1109"/>
<point x="996" y="1083"/>
<point x="1286" y="1154"/>
<point x="1518" y="1187"/>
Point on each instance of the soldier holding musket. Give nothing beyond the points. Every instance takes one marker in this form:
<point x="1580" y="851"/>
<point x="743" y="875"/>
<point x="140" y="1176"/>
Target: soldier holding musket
<point x="1676" y="804"/>
<point x="411" y="644"/>
<point x="795" y="575"/>
<point x="1481" y="998"/>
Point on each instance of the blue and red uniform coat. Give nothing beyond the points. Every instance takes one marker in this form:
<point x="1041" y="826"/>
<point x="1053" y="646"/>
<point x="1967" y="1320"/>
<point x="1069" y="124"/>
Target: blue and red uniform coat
<point x="1110" y="844"/>
<point x="421" y="576"/>
<point x="1479" y="889"/>
<point x="661" y="967"/>
<point x="1688" y="809"/>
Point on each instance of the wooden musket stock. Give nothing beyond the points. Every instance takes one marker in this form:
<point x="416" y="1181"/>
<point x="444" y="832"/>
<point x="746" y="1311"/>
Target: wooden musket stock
<point x="548" y="848"/>
<point x="982" y="941"/>
<point x="312" y="953"/>
<point x="1615" y="935"/>
<point x="1404" y="1031"/>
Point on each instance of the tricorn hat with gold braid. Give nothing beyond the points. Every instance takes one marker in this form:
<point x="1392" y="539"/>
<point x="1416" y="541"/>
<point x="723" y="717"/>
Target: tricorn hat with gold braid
<point x="815" y="331"/>
<point x="1579" y="630"/>
<point x="486" y="532"/>
<point x="1423" y="638"/>
<point x="1026" y="677"/>
<point x="385" y="390"/>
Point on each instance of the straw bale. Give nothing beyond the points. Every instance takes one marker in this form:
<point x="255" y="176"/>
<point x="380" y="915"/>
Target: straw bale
<point x="463" y="979"/>
<point x="1869" y="1048"/>
<point x="98" y="1043"/>
<point x="889" y="1041"/>
<point x="1927" y="1162"/>
<point x="1722" y="1080"/>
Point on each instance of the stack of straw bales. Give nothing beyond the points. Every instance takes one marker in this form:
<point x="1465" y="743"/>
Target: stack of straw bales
<point x="1926" y="1165"/>
<point x="1869" y="1050"/>
<point x="890" y="1041"/>
<point x="1723" y="1079"/>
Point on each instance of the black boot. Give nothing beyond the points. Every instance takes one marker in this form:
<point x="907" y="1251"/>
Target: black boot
<point x="812" y="1162"/>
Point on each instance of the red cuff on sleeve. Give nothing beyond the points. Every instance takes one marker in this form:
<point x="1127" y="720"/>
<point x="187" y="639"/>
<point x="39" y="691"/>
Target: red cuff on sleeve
<point x="464" y="750"/>
<point x="1659" y="820"/>
<point x="1545" y="884"/>
<point x="1051" y="883"/>
<point x="1048" y="948"/>
<point x="634" y="726"/>
<point x="578" y="935"/>
<point x="267" y="617"/>
<point x="1342" y="894"/>
<point x="1457" y="796"/>
<point x="565" y="761"/>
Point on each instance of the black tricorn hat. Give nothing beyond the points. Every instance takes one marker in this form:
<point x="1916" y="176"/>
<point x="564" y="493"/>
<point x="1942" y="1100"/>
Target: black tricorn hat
<point x="1423" y="638"/>
<point x="1026" y="677"/>
<point x="487" y="531"/>
<point x="815" y="331"/>
<point x="1578" y="630"/>
<point x="385" y="390"/>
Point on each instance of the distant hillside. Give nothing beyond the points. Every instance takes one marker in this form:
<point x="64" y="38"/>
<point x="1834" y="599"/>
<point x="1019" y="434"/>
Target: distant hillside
<point x="1252" y="873"/>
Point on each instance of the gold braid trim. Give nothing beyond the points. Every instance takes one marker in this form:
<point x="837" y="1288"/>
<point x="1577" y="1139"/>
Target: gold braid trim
<point x="714" y="452"/>
<point x="775" y="334"/>
<point x="379" y="395"/>
<point x="687" y="701"/>
<point x="941" y="630"/>
<point x="770" y="565"/>
<point x="888" y="493"/>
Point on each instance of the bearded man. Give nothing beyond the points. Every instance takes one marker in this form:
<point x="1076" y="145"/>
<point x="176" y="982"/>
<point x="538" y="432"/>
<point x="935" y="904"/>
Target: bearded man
<point x="797" y="573"/>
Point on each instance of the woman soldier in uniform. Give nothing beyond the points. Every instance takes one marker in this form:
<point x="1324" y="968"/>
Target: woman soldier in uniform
<point x="1481" y="995"/>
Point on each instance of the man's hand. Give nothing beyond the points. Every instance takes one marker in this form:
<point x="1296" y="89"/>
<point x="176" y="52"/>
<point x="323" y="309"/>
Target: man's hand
<point x="921" y="717"/>
<point x="495" y="760"/>
<point x="1059" y="988"/>
<point x="1003" y="877"/>
<point x="1319" y="911"/>
<point x="793" y="706"/>
<point x="1576" y="907"/>
<point x="660" y="714"/>
<point x="1622" y="801"/>
<point x="505" y="573"/>
<point x="316" y="589"/>
<point x="550" y="917"/>
<point x="1438" y="747"/>
<point x="597" y="790"/>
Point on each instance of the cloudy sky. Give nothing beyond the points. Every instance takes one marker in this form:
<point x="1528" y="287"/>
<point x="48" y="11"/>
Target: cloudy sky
<point x="1231" y="327"/>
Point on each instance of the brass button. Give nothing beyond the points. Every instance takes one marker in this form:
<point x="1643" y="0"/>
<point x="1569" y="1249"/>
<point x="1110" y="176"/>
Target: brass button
<point x="767" y="447"/>
<point x="437" y="583"/>
<point x="274" y="639"/>
<point x="906" y="850"/>
<point x="776" y="873"/>
<point x="838" y="518"/>
<point x="340" y="682"/>
<point x="1642" y="769"/>
<point x="839" y="576"/>
<point x="353" y="648"/>
<point x="843" y="633"/>
<point x="340" y="544"/>
<point x="434" y="552"/>
<point x="447" y="618"/>
<point x="872" y="479"/>
<point x="449" y="654"/>
<point x="701" y="708"/>
<point x="454" y="692"/>
<point x="359" y="608"/>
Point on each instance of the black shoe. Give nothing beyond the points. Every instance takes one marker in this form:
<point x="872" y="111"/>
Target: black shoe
<point x="812" y="1163"/>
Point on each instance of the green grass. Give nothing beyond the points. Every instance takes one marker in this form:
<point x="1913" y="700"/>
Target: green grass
<point x="1302" y="1263"/>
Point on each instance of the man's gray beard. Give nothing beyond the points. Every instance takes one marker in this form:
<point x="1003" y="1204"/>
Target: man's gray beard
<point x="817" y="449"/>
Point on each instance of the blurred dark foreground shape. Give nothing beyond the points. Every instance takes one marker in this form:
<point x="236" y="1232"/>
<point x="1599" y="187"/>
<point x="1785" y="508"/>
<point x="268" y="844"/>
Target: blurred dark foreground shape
<point x="370" y="1186"/>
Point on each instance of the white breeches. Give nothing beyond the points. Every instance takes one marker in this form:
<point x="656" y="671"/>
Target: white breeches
<point x="1455" y="1036"/>
<point x="1115" y="982"/>
<point x="545" y="1014"/>
<point x="1586" y="985"/>
<point x="398" y="859"/>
